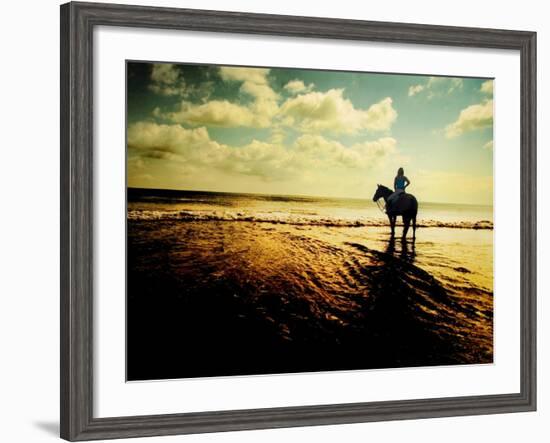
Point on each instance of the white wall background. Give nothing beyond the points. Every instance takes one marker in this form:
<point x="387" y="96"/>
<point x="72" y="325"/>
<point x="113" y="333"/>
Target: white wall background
<point x="29" y="221"/>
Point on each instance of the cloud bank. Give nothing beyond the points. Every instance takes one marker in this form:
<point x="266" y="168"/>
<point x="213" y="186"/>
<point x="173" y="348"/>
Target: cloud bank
<point x="306" y="111"/>
<point x="269" y="161"/>
<point x="331" y="112"/>
<point x="472" y="118"/>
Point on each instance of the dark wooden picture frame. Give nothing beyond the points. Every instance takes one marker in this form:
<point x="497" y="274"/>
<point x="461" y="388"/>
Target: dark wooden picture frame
<point x="77" y="24"/>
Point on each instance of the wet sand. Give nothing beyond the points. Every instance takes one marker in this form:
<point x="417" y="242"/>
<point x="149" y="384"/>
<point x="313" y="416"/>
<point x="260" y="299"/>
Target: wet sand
<point x="221" y="297"/>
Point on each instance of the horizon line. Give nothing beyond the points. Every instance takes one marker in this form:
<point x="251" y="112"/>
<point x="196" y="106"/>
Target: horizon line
<point x="295" y="195"/>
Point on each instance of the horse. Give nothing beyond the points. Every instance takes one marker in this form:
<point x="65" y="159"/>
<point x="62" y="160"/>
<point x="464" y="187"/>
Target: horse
<point x="405" y="206"/>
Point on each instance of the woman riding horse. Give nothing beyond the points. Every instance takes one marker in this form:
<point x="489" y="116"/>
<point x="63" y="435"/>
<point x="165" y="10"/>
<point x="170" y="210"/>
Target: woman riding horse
<point x="399" y="203"/>
<point x="400" y="183"/>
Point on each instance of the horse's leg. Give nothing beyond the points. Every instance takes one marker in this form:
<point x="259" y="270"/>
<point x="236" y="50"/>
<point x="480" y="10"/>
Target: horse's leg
<point x="406" y="223"/>
<point x="392" y="224"/>
<point x="414" y="227"/>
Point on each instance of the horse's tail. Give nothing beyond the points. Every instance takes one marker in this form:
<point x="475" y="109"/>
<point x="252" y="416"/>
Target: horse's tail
<point x="414" y="212"/>
<point x="415" y="207"/>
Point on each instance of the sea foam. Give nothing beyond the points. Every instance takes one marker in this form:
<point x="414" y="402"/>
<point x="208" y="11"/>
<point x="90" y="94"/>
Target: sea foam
<point x="278" y="217"/>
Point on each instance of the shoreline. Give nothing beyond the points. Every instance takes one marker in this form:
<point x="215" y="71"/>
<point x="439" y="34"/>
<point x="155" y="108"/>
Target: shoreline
<point x="291" y="219"/>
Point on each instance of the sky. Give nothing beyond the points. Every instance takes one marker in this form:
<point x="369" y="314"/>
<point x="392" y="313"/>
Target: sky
<point x="290" y="131"/>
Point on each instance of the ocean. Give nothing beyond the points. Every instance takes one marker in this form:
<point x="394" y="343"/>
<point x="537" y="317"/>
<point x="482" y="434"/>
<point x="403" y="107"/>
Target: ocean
<point x="294" y="210"/>
<point x="240" y="284"/>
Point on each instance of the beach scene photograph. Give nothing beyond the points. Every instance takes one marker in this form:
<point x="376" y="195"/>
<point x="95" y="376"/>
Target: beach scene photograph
<point x="285" y="220"/>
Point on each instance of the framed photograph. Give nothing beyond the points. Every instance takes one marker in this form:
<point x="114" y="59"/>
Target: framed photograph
<point x="273" y="221"/>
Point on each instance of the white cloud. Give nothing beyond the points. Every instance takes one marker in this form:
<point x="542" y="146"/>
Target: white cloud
<point x="259" y="91"/>
<point x="166" y="80"/>
<point x="415" y="89"/>
<point x="252" y="75"/>
<point x="487" y="87"/>
<point x="255" y="83"/>
<point x="268" y="160"/>
<point x="298" y="86"/>
<point x="488" y="145"/>
<point x="330" y="153"/>
<point x="224" y="113"/>
<point x="455" y="83"/>
<point x="212" y="113"/>
<point x="308" y="112"/>
<point x="312" y="112"/>
<point x="472" y="118"/>
<point x="165" y="73"/>
<point x="380" y="116"/>
<point x="330" y="111"/>
<point x="437" y="87"/>
<point x="173" y="142"/>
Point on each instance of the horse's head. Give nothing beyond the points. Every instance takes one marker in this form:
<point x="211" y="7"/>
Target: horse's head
<point x="381" y="192"/>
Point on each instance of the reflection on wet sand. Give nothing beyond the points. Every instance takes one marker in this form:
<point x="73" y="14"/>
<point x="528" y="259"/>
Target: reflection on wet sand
<point x="407" y="250"/>
<point x="223" y="298"/>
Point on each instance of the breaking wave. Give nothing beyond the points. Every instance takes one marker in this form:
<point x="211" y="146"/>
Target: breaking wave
<point x="292" y="219"/>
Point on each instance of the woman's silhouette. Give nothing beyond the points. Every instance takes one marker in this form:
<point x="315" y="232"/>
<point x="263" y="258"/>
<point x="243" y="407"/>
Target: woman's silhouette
<point x="400" y="183"/>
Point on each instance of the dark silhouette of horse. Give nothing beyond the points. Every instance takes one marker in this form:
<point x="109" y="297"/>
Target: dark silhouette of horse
<point x="405" y="206"/>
